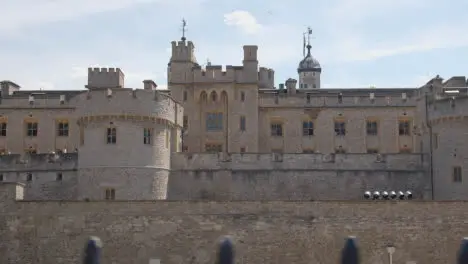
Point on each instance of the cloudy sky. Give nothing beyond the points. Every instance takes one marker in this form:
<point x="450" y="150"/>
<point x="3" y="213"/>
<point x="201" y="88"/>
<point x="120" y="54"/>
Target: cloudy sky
<point x="386" y="43"/>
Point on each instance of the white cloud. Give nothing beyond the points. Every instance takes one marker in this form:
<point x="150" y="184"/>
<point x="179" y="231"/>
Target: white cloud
<point x="243" y="20"/>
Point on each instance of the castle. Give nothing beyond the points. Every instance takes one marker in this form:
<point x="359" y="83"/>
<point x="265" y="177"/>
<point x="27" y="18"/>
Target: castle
<point x="229" y="134"/>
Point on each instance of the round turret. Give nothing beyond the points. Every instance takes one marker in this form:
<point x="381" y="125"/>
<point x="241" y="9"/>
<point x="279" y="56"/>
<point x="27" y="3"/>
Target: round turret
<point x="131" y="132"/>
<point x="309" y="63"/>
<point x="309" y="72"/>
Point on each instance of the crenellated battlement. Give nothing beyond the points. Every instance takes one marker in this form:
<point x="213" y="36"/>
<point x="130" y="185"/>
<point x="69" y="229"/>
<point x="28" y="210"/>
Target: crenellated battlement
<point x="294" y="161"/>
<point x="38" y="162"/>
<point x="105" y="78"/>
<point x="337" y="98"/>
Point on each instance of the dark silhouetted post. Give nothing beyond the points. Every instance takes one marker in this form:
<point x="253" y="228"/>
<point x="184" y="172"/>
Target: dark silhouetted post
<point x="226" y="252"/>
<point x="463" y="252"/>
<point x="350" y="253"/>
<point x="92" y="254"/>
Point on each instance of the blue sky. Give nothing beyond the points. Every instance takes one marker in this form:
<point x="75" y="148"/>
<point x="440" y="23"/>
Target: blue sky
<point x="386" y="43"/>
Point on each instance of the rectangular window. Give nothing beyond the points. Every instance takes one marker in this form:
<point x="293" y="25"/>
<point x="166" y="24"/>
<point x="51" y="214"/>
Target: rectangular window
<point x="308" y="128"/>
<point x="147" y="136"/>
<point x="457" y="174"/>
<point x="242" y="96"/>
<point x="435" y="141"/>
<point x="62" y="129"/>
<point x="214" y="121"/>
<point x="242" y="150"/>
<point x="372" y="151"/>
<point x="213" y="148"/>
<point x="242" y="123"/>
<point x="308" y="151"/>
<point x="340" y="128"/>
<point x="184" y="148"/>
<point x="110" y="194"/>
<point x="185" y="122"/>
<point x="111" y="135"/>
<point x="3" y="129"/>
<point x="167" y="138"/>
<point x="404" y="128"/>
<point x="340" y="150"/>
<point x="277" y="130"/>
<point x="372" y="128"/>
<point x="31" y="129"/>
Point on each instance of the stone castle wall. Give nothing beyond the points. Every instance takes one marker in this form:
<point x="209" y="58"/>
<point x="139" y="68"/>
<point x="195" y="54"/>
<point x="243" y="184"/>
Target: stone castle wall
<point x="263" y="232"/>
<point x="222" y="177"/>
<point x="295" y="176"/>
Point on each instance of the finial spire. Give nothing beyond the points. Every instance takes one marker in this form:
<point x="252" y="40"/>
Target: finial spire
<point x="184" y="29"/>
<point x="306" y="43"/>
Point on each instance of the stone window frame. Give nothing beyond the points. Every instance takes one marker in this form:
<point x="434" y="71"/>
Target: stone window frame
<point x="276" y="129"/>
<point x="111" y="135"/>
<point x="457" y="174"/>
<point x="214" y="121"/>
<point x="32" y="128"/>
<point x="109" y="194"/>
<point x="242" y="123"/>
<point x="404" y="127"/>
<point x="148" y="136"/>
<point x="3" y="128"/>
<point x="213" y="147"/>
<point x="372" y="127"/>
<point x="308" y="128"/>
<point x="340" y="127"/>
<point x="63" y="128"/>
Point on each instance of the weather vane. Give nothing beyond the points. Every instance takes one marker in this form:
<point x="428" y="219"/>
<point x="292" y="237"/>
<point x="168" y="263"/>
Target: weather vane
<point x="306" y="43"/>
<point x="184" y="29"/>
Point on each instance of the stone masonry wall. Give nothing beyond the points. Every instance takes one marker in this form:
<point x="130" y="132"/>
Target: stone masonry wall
<point x="295" y="176"/>
<point x="263" y="232"/>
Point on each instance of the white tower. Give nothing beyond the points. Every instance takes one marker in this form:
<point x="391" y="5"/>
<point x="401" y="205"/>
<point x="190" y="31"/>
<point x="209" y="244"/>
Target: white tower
<point x="309" y="69"/>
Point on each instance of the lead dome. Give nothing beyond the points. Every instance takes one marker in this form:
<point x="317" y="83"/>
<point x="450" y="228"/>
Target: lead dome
<point x="309" y="63"/>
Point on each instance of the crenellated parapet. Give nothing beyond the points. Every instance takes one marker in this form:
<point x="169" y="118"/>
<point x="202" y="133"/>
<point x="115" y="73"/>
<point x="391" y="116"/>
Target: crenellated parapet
<point x="285" y="161"/>
<point x="105" y="78"/>
<point x="130" y="103"/>
<point x="287" y="97"/>
<point x="38" y="162"/>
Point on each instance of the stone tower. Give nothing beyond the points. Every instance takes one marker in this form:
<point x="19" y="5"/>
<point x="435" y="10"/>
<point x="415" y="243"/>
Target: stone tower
<point x="309" y="69"/>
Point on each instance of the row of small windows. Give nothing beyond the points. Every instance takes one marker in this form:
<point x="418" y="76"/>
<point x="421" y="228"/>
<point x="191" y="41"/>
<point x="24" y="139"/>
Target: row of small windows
<point x="32" y="129"/>
<point x="340" y="128"/>
<point x="147" y="136"/>
<point x="214" y="122"/>
<point x="304" y="85"/>
<point x="213" y="96"/>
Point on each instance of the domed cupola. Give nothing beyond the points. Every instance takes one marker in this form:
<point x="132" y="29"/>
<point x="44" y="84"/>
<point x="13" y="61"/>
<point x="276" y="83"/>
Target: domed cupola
<point x="309" y="63"/>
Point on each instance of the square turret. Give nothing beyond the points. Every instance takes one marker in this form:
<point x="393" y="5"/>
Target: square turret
<point x="105" y="78"/>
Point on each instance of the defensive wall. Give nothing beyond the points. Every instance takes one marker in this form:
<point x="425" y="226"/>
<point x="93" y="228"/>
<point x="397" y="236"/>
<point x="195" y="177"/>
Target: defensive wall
<point x="295" y="176"/>
<point x="175" y="232"/>
<point x="220" y="176"/>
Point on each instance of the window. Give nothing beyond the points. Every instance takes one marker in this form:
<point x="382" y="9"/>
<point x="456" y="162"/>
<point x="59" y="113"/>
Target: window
<point x="242" y="123"/>
<point x="242" y="97"/>
<point x="29" y="177"/>
<point x="214" y="96"/>
<point x="147" y="136"/>
<point x="435" y="141"/>
<point x="62" y="128"/>
<point x="308" y="128"/>
<point x="2" y="178"/>
<point x="185" y="122"/>
<point x="340" y="128"/>
<point x="167" y="138"/>
<point x="277" y="130"/>
<point x="59" y="176"/>
<point x="111" y="135"/>
<point x="404" y="128"/>
<point x="308" y="98"/>
<point x="214" y="148"/>
<point x="308" y="151"/>
<point x="3" y="129"/>
<point x="315" y="86"/>
<point x="31" y="129"/>
<point x="185" y="96"/>
<point x="305" y="85"/>
<point x="214" y="121"/>
<point x="242" y="150"/>
<point x="372" y="151"/>
<point x="184" y="148"/>
<point x="110" y="194"/>
<point x="457" y="174"/>
<point x="372" y="128"/>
